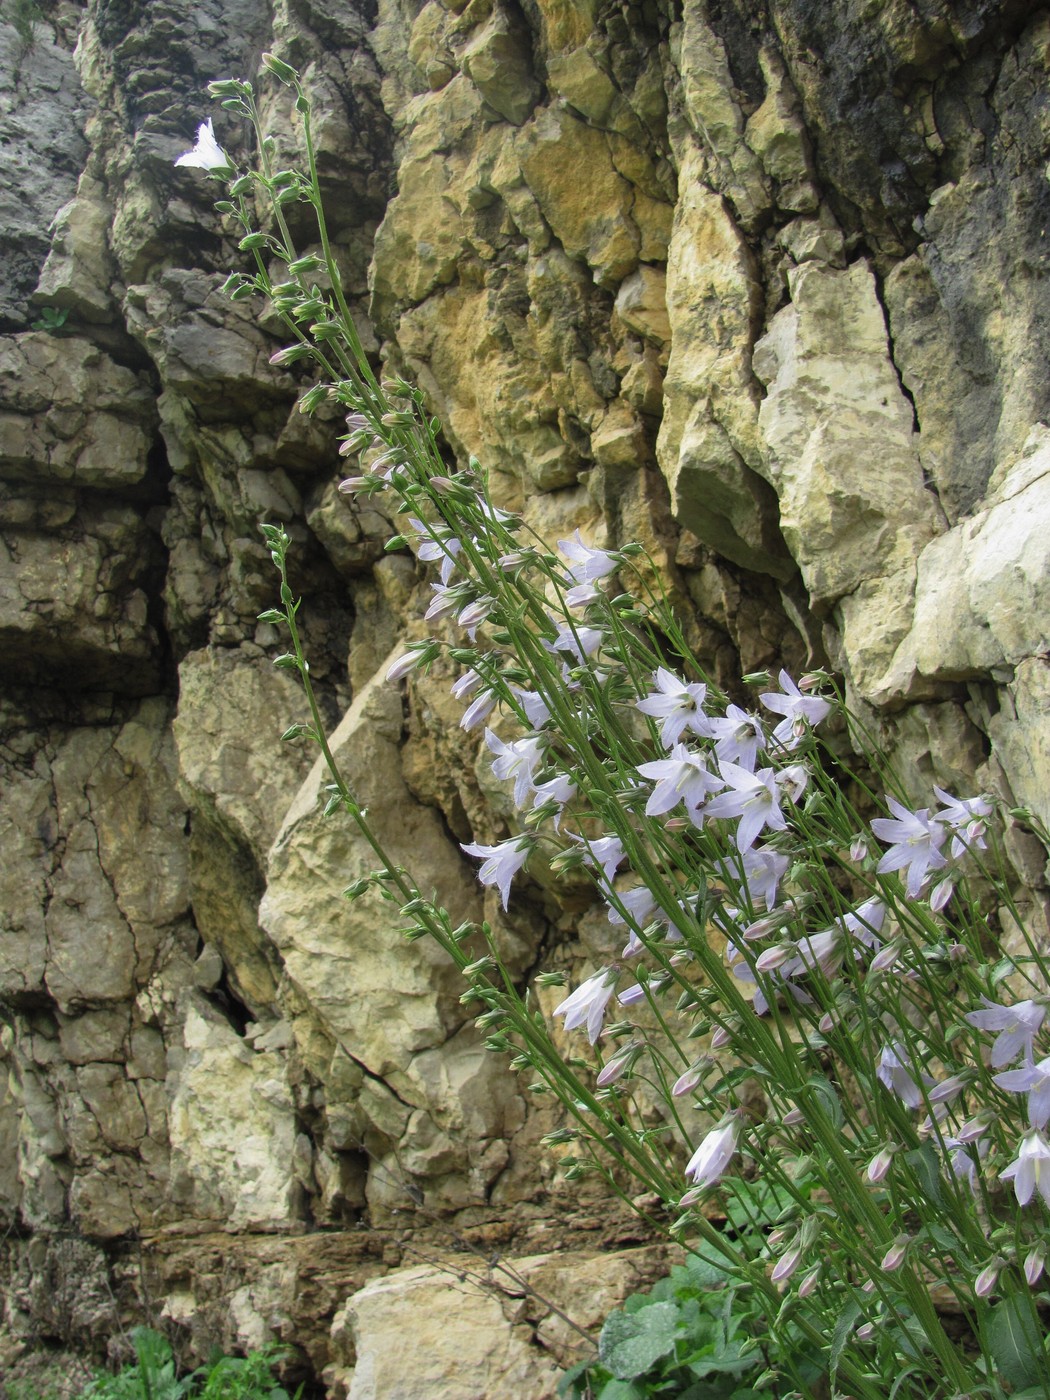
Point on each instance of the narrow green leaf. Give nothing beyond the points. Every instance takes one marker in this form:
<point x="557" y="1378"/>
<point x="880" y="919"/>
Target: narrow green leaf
<point x="844" y="1325"/>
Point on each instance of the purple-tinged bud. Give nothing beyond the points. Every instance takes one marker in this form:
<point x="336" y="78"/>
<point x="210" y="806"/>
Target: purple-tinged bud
<point x="880" y="1163"/>
<point x="865" y="1332"/>
<point x="858" y="850"/>
<point x="476" y="612"/>
<point x="720" y="1039"/>
<point x="793" y="1117"/>
<point x="984" y="1284"/>
<point x="809" y="1282"/>
<point x="895" y="1255"/>
<point x="618" y="1066"/>
<point x="977" y="1126"/>
<point x="941" y="894"/>
<point x="948" y="1089"/>
<point x="687" y="1082"/>
<point x="787" y="1264"/>
<point x="775" y="957"/>
<point x="885" y="958"/>
<point x="1034" y="1264"/>
<point x="350" y="485"/>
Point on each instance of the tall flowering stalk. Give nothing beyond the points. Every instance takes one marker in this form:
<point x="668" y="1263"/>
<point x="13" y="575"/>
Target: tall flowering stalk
<point x="823" y="992"/>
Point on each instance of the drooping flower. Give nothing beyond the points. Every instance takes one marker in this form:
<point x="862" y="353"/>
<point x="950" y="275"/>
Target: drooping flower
<point x="865" y="924"/>
<point x="1017" y="1027"/>
<point x="708" y="1163"/>
<point x="479" y="708"/>
<point x="207" y="154"/>
<point x="501" y="862"/>
<point x="518" y="760"/>
<point x="799" y="711"/>
<point x="1030" y="1170"/>
<point x="437" y="544"/>
<point x="533" y="705"/>
<point x="897" y="1076"/>
<point x="581" y="642"/>
<point x="825" y="950"/>
<point x="965" y="818"/>
<point x="680" y="706"/>
<point x="586" y="1005"/>
<point x="605" y="852"/>
<point x="916" y="839"/>
<point x="762" y="869"/>
<point x="588" y="564"/>
<point x="559" y="789"/>
<point x="1035" y="1081"/>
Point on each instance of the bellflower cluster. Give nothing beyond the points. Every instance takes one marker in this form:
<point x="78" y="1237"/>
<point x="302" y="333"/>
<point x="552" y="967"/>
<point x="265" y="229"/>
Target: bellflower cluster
<point x="817" y="997"/>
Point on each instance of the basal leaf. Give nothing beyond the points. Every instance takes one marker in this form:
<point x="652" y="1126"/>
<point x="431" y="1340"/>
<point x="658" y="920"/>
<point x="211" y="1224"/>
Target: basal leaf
<point x="1014" y="1338"/>
<point x="630" y="1344"/>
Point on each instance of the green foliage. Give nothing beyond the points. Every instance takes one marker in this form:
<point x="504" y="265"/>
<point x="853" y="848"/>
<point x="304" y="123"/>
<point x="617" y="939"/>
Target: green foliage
<point x="154" y="1376"/>
<point x="697" y="1335"/>
<point x="24" y="15"/>
<point x="51" y="318"/>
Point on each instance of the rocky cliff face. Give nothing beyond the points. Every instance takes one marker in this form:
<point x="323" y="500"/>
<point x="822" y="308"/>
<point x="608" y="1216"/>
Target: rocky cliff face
<point x="763" y="283"/>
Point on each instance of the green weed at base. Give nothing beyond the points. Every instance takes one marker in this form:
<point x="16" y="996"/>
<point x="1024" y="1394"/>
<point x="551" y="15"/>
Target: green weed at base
<point x="154" y="1376"/>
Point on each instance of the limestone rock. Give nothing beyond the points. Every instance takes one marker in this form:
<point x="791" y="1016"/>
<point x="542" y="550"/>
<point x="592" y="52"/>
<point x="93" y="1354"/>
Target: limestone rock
<point x="497" y="60"/>
<point x="844" y="465"/>
<point x="407" y="1341"/>
<point x="232" y="711"/>
<point x="79" y="273"/>
<point x="974" y="617"/>
<point x="43" y="109"/>
<point x="233" y="1131"/>
<point x="569" y="168"/>
<point x="714" y="113"/>
<point x="71" y="414"/>
<point x="340" y="946"/>
<point x="708" y="442"/>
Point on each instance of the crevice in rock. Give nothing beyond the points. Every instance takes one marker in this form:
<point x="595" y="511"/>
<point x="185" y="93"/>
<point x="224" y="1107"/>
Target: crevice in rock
<point x="225" y="1000"/>
<point x="880" y="283"/>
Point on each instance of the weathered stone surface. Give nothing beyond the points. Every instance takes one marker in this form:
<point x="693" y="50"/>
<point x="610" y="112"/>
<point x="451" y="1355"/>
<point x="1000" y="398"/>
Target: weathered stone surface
<point x="232" y="709"/>
<point x="708" y="444"/>
<point x="72" y="603"/>
<point x="973" y="616"/>
<point x="814" y="397"/>
<point x="406" y="1343"/>
<point x="42" y="111"/>
<point x="71" y="414"/>
<point x="236" y="1156"/>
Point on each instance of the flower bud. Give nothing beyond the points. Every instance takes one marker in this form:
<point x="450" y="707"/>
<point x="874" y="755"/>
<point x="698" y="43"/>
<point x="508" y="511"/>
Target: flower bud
<point x="880" y="1163"/>
<point x="809" y="1282"/>
<point x="1033" y="1265"/>
<point x="787" y="1264"/>
<point x="984" y="1284"/>
<point x="895" y="1255"/>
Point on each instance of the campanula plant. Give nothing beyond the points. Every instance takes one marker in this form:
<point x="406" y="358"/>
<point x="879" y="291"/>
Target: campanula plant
<point x="815" y="999"/>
